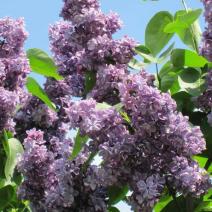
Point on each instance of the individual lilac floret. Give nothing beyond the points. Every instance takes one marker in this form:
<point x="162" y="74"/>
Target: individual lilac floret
<point x="12" y="37"/>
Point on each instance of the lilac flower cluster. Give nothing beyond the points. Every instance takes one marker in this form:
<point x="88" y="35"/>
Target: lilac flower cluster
<point x="13" y="69"/>
<point x="207" y="35"/>
<point x="83" y="44"/>
<point x="205" y="100"/>
<point x="60" y="184"/>
<point x="156" y="147"/>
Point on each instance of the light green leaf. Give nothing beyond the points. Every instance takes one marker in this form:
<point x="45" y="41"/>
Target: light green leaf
<point x="155" y="37"/>
<point x="184" y="57"/>
<point x="202" y="161"/>
<point x="183" y="20"/>
<point x="80" y="141"/>
<point x="135" y="64"/>
<point x="15" y="149"/>
<point x="41" y="63"/>
<point x="103" y="106"/>
<point x="35" y="89"/>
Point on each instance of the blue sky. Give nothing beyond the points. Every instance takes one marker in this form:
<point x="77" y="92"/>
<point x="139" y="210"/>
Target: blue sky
<point x="135" y="14"/>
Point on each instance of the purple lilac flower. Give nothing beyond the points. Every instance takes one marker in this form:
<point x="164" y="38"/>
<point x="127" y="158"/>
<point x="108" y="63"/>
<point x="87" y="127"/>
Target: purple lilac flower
<point x="205" y="100"/>
<point x="84" y="43"/>
<point x="207" y="35"/>
<point x="12" y="37"/>
<point x="13" y="69"/>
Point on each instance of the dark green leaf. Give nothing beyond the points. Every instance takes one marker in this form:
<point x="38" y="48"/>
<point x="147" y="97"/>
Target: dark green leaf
<point x="204" y="206"/>
<point x="116" y="194"/>
<point x="15" y="149"/>
<point x="35" y="89"/>
<point x="184" y="57"/>
<point x="41" y="63"/>
<point x="190" y="75"/>
<point x="78" y="145"/>
<point x="184" y="101"/>
<point x="6" y="195"/>
<point x="167" y="81"/>
<point x="113" y="209"/>
<point x="90" y="81"/>
<point x="155" y="37"/>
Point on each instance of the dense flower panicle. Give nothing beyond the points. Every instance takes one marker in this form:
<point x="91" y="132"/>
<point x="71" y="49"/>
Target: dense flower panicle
<point x="85" y="43"/>
<point x="147" y="191"/>
<point x="207" y="35"/>
<point x="188" y="177"/>
<point x="34" y="163"/>
<point x="13" y="69"/>
<point x="8" y="101"/>
<point x="75" y="7"/>
<point x="146" y="144"/>
<point x="107" y="80"/>
<point x="13" y="72"/>
<point x="12" y="37"/>
<point x="59" y="184"/>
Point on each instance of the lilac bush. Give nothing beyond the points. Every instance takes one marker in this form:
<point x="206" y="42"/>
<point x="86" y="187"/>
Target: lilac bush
<point x="146" y="144"/>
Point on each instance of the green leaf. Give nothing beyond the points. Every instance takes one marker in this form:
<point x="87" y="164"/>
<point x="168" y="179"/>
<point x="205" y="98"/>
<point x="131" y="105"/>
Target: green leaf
<point x="41" y="63"/>
<point x="184" y="57"/>
<point x="162" y="203"/>
<point x="135" y="64"/>
<point x="183" y="20"/>
<point x="168" y="80"/>
<point x="204" y="206"/>
<point x="6" y="196"/>
<point x="166" y="53"/>
<point x="15" y="149"/>
<point x="184" y="101"/>
<point x="35" y="89"/>
<point x="103" y="106"/>
<point x="202" y="161"/>
<point x="188" y="17"/>
<point x="155" y="37"/>
<point x="116" y="194"/>
<point x="78" y="145"/>
<point x="113" y="209"/>
<point x="190" y="75"/>
<point x="186" y="35"/>
<point x="90" y="81"/>
<point x="149" y="58"/>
